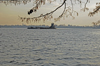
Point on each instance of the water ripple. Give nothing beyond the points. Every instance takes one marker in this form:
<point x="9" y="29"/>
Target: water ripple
<point x="60" y="47"/>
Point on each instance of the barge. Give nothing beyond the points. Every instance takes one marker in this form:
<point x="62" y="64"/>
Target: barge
<point x="51" y="27"/>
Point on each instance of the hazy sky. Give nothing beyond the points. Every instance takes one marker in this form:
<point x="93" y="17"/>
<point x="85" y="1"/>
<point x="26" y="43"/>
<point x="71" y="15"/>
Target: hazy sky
<point x="9" y="14"/>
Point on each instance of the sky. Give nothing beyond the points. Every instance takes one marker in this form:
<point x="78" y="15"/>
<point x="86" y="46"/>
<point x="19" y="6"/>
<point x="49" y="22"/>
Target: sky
<point x="9" y="14"/>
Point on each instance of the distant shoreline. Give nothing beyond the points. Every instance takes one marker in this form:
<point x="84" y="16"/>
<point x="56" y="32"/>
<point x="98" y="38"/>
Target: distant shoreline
<point x="57" y="26"/>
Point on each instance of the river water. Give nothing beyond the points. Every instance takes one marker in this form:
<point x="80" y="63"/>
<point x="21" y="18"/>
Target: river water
<point x="49" y="47"/>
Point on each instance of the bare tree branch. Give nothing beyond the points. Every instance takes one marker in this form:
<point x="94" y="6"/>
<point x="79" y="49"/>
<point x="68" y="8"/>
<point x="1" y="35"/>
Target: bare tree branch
<point x="96" y="10"/>
<point x="68" y="9"/>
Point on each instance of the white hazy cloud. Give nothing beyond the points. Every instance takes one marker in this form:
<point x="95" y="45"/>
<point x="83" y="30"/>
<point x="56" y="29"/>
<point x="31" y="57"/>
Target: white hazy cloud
<point x="55" y="3"/>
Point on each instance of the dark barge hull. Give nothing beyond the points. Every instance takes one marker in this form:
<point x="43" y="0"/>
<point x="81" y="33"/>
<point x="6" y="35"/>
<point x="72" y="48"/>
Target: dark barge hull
<point x="51" y="27"/>
<point x="39" y="28"/>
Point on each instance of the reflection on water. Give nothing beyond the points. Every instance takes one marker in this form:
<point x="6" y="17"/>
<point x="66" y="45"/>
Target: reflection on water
<point x="54" y="47"/>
